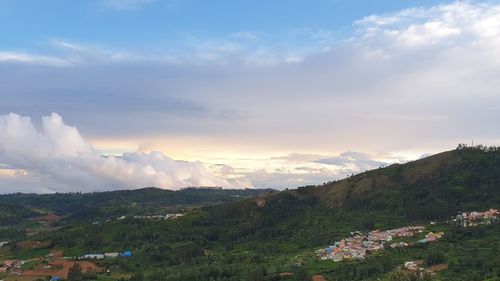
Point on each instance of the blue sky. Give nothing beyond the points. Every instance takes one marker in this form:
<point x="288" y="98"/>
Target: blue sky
<point x="168" y="24"/>
<point x="112" y="94"/>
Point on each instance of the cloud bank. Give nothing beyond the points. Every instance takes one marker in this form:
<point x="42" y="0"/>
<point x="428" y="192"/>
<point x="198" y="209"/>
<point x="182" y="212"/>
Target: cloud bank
<point x="418" y="77"/>
<point x="57" y="158"/>
<point x="296" y="169"/>
<point x="405" y="83"/>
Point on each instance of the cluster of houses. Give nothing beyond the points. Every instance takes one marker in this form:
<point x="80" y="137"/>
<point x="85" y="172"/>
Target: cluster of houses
<point x="124" y="254"/>
<point x="399" y="245"/>
<point x="359" y="245"/>
<point x="160" y="217"/>
<point x="12" y="266"/>
<point x="417" y="266"/>
<point x="414" y="265"/>
<point x="431" y="237"/>
<point x="474" y="218"/>
<point x="145" y="217"/>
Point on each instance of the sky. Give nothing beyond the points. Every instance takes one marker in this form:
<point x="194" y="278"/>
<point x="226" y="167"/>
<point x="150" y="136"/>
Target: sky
<point x="120" y="94"/>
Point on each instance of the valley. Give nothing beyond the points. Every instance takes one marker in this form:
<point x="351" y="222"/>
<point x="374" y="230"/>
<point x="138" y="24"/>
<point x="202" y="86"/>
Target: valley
<point x="431" y="219"/>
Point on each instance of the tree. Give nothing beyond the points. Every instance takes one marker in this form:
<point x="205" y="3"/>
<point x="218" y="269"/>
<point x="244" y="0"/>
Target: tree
<point x="434" y="257"/>
<point x="402" y="276"/>
<point x="75" y="273"/>
<point x="137" y="277"/>
<point x="302" y="274"/>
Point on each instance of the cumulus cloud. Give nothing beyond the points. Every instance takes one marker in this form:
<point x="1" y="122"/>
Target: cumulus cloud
<point x="57" y="158"/>
<point x="414" y="81"/>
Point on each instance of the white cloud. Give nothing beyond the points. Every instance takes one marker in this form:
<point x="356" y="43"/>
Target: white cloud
<point x="69" y="54"/>
<point x="418" y="80"/>
<point x="457" y="25"/>
<point x="460" y="23"/>
<point x="82" y="53"/>
<point x="57" y="158"/>
<point x="298" y="158"/>
<point x="296" y="169"/>
<point x="358" y="161"/>
<point x="32" y="59"/>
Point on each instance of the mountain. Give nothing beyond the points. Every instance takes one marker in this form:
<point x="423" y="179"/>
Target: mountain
<point x="268" y="235"/>
<point x="431" y="188"/>
<point x="144" y="197"/>
<point x="434" y="188"/>
<point x="80" y="207"/>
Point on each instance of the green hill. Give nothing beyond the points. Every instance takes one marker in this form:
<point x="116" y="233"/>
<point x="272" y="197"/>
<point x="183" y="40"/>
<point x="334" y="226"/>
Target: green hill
<point x="434" y="188"/>
<point x="256" y="235"/>
<point x="19" y="210"/>
<point x="431" y="188"/>
<point x="144" y="198"/>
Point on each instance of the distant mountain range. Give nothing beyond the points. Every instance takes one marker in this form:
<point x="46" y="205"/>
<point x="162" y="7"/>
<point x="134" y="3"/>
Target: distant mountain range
<point x="435" y="187"/>
<point x="81" y="206"/>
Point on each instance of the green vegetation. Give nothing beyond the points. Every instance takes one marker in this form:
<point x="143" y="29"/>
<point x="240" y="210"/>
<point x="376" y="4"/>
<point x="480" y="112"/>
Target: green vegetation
<point x="75" y="273"/>
<point x="273" y="235"/>
<point x="10" y="214"/>
<point x="18" y="211"/>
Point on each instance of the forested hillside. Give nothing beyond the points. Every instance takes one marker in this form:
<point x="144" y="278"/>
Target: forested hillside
<point x="88" y="206"/>
<point x="265" y="235"/>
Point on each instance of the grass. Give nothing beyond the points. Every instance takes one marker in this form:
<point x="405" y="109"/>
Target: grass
<point x="30" y="264"/>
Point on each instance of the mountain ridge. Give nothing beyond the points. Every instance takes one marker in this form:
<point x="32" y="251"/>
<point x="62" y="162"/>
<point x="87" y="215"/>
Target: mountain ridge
<point x="268" y="233"/>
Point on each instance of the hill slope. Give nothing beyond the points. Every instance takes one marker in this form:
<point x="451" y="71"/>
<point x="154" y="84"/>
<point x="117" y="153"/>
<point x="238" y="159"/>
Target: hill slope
<point x="81" y="207"/>
<point x="259" y="237"/>
<point x="431" y="188"/>
<point x="434" y="188"/>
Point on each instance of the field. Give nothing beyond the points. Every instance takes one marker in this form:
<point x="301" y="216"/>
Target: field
<point x="60" y="268"/>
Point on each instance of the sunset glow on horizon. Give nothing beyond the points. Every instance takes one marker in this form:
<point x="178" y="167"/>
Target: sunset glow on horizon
<point x="165" y="93"/>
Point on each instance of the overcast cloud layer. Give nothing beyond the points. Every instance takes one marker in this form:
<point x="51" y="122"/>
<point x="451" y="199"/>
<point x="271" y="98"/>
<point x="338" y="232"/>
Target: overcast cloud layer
<point x="418" y="80"/>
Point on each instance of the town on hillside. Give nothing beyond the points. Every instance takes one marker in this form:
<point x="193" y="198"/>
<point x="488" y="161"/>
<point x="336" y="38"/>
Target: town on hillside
<point x="360" y="245"/>
<point x="356" y="247"/>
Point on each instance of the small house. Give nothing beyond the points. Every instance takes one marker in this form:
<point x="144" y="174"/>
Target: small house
<point x="126" y="254"/>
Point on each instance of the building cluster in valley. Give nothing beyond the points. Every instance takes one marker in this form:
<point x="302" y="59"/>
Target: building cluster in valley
<point x="144" y="217"/>
<point x="159" y="217"/>
<point x="431" y="237"/>
<point x="359" y="245"/>
<point x="418" y="266"/>
<point x="12" y="266"/>
<point x="101" y="256"/>
<point x="467" y="219"/>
